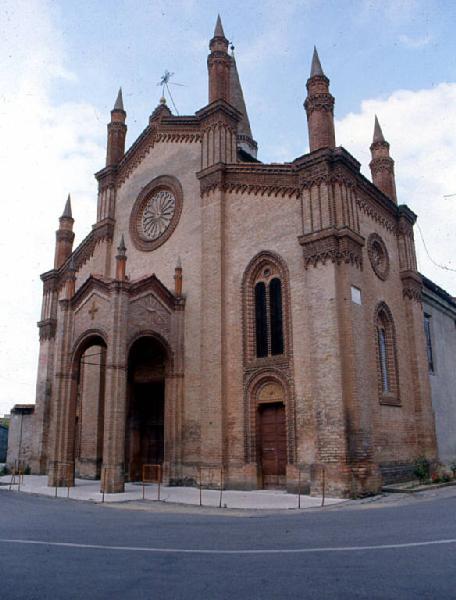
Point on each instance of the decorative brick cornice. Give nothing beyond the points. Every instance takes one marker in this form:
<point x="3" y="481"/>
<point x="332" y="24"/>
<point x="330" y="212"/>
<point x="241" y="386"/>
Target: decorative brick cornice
<point x="106" y="177"/>
<point x="101" y="231"/>
<point x="334" y="245"/>
<point x="50" y="281"/>
<point x="323" y="102"/>
<point x="383" y="163"/>
<point x="269" y="180"/>
<point x="134" y="289"/>
<point x="412" y="286"/>
<point x="136" y="154"/>
<point x="64" y="235"/>
<point x="47" y="329"/>
<point x="407" y="219"/>
<point x="161" y="291"/>
<point x="217" y="110"/>
<point x="375" y="211"/>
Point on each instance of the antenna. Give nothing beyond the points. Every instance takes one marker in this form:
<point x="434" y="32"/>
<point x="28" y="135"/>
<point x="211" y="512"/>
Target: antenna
<point x="164" y="83"/>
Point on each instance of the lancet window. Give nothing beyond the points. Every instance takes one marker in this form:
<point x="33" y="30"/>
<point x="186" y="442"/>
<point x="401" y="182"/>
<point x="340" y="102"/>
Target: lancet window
<point x="387" y="371"/>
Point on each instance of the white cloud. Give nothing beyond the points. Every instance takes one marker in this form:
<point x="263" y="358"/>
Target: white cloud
<point x="415" y="42"/>
<point x="46" y="151"/>
<point x="420" y="127"/>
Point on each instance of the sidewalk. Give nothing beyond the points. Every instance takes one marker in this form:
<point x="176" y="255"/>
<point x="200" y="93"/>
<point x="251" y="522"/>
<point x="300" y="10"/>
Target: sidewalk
<point x="90" y="491"/>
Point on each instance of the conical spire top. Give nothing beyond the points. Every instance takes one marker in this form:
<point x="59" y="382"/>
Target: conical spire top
<point x="237" y="100"/>
<point x="119" y="101"/>
<point x="378" y="133"/>
<point x="67" y="214"/>
<point x="179" y="263"/>
<point x="122" y="248"/>
<point x="316" y="64"/>
<point x="218" y="31"/>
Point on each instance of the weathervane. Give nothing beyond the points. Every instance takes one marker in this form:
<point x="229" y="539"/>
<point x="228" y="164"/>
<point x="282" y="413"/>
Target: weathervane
<point x="165" y="83"/>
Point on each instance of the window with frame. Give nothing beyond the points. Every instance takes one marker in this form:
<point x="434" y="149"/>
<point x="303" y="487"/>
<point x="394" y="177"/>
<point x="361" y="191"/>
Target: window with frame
<point x="428" y="339"/>
<point x="264" y="292"/>
<point x="268" y="316"/>
<point x="387" y="371"/>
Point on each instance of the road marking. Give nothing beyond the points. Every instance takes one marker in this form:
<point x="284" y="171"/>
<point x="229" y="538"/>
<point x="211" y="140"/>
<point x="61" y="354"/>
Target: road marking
<point x="247" y="551"/>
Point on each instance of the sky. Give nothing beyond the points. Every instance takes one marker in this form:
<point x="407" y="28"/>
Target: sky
<point x="63" y="62"/>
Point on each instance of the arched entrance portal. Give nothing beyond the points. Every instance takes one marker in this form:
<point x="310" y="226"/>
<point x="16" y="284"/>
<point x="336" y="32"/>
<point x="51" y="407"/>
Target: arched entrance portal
<point x="144" y="443"/>
<point x="89" y="410"/>
<point x="272" y="435"/>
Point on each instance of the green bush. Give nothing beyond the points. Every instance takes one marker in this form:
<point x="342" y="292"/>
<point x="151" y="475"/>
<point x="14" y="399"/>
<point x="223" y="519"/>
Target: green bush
<point x="421" y="469"/>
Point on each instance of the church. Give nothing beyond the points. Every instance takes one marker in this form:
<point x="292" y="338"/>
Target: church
<point x="262" y="319"/>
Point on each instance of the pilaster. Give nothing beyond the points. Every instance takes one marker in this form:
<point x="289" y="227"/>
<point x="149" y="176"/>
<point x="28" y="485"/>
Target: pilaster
<point x="212" y="335"/>
<point x="47" y="328"/>
<point x="113" y="471"/>
<point x="219" y="130"/>
<point x="61" y="463"/>
<point x="412" y="287"/>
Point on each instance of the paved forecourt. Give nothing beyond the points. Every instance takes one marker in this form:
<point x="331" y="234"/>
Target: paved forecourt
<point x="90" y="490"/>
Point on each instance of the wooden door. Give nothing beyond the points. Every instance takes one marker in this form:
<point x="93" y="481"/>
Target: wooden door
<point x="273" y="444"/>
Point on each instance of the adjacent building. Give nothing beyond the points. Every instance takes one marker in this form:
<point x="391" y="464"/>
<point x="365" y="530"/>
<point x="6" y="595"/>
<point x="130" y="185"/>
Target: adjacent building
<point x="440" y="336"/>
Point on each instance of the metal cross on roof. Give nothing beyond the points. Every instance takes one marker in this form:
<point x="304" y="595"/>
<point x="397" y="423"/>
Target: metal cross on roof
<point x="164" y="83"/>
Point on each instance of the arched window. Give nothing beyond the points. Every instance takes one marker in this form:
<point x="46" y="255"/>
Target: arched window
<point x="268" y="318"/>
<point x="265" y="305"/>
<point x="386" y="356"/>
<point x="261" y="320"/>
<point x="276" y="319"/>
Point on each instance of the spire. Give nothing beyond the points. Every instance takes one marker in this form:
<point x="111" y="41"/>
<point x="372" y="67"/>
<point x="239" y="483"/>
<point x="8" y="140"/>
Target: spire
<point x="119" y="101"/>
<point x="121" y="247"/>
<point x="121" y="260"/>
<point x="378" y="133"/>
<point x="218" y="31"/>
<point x="178" y="278"/>
<point x="117" y="131"/>
<point x="219" y="65"/>
<point x="67" y="210"/>
<point x="64" y="236"/>
<point x="237" y="100"/>
<point x="315" y="69"/>
<point x="319" y="107"/>
<point x="382" y="165"/>
<point x="244" y="133"/>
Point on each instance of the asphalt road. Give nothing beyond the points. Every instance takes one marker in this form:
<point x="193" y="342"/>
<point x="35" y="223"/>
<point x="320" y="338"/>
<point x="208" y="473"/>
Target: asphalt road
<point x="393" y="548"/>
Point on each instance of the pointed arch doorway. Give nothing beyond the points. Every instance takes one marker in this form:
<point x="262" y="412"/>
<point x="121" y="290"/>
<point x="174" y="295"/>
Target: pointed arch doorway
<point x="145" y="424"/>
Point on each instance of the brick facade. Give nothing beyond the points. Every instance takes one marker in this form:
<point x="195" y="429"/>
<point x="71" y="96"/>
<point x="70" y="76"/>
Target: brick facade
<point x="340" y="247"/>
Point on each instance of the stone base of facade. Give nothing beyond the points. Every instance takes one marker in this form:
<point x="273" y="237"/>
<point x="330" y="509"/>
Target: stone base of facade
<point x="396" y="472"/>
<point x="60" y="474"/>
<point x="112" y="479"/>
<point x="88" y="468"/>
<point x="335" y="480"/>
